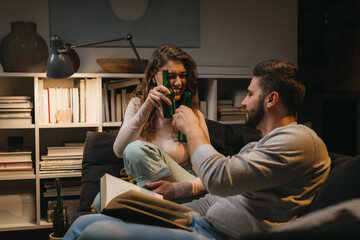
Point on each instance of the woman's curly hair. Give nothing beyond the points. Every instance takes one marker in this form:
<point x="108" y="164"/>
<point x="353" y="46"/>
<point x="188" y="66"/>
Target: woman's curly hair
<point x="158" y="59"/>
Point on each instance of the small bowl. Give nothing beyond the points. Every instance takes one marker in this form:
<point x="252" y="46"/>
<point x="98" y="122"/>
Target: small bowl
<point x="121" y="65"/>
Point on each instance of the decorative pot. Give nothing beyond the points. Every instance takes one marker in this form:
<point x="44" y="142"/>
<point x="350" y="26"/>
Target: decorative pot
<point x="51" y="237"/>
<point x="23" y="49"/>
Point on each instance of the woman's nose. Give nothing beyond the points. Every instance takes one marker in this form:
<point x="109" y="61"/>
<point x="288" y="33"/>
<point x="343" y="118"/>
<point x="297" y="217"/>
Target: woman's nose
<point x="177" y="81"/>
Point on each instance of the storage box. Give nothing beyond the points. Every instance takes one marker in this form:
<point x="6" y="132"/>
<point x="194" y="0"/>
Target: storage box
<point x="17" y="208"/>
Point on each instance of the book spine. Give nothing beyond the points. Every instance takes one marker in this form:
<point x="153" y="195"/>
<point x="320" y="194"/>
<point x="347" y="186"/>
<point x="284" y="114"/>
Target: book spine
<point x="75" y="104"/>
<point x="52" y="105"/>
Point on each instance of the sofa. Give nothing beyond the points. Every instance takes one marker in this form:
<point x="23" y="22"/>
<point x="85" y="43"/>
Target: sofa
<point x="334" y="212"/>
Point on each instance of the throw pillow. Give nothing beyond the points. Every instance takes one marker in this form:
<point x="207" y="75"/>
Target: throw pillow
<point x="98" y="159"/>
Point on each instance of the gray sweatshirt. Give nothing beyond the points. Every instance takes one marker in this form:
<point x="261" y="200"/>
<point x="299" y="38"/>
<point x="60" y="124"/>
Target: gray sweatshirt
<point x="267" y="183"/>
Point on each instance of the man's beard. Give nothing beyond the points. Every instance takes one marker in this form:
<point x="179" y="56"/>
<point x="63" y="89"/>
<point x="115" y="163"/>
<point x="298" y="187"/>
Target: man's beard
<point x="255" y="115"/>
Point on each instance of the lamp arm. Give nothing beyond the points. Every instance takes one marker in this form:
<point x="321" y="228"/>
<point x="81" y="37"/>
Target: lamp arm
<point x="137" y="55"/>
<point x="128" y="37"/>
<point x="96" y="43"/>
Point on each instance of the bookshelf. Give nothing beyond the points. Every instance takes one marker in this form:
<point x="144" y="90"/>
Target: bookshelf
<point x="39" y="135"/>
<point x="215" y="87"/>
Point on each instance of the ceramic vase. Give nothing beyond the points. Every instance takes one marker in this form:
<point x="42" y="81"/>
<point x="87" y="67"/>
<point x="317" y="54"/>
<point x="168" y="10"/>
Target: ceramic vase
<point x="23" y="49"/>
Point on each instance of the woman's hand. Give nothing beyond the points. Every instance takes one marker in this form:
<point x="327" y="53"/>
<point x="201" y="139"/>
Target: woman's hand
<point x="155" y="96"/>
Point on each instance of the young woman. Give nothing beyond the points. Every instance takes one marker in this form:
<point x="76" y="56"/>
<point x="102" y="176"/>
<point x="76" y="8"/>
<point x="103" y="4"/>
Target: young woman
<point x="147" y="141"/>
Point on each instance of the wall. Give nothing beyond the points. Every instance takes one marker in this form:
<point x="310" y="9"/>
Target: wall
<point x="233" y="32"/>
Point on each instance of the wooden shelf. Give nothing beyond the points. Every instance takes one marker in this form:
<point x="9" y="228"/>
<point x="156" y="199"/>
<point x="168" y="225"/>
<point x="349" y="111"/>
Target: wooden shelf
<point x="21" y="176"/>
<point x="17" y="126"/>
<point x="68" y="125"/>
<point x="59" y="175"/>
<point x="21" y="226"/>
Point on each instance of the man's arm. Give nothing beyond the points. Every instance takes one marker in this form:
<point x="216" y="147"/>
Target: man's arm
<point x="185" y="121"/>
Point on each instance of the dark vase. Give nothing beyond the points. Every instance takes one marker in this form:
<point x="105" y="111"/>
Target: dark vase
<point x="23" y="49"/>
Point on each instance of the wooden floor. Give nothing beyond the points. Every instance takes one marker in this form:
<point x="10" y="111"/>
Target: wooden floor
<point x="38" y="234"/>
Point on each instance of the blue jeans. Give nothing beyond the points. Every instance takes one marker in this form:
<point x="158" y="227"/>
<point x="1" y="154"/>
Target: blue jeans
<point x="99" y="226"/>
<point x="146" y="163"/>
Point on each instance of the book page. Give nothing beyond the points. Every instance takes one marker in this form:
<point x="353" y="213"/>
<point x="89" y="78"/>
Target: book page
<point x="140" y="197"/>
<point x="159" y="211"/>
<point x="133" y="214"/>
<point x="111" y="186"/>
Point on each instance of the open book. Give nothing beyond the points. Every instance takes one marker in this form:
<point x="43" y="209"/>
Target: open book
<point x="132" y="203"/>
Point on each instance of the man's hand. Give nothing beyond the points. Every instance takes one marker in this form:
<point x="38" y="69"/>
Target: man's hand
<point x="165" y="188"/>
<point x="184" y="119"/>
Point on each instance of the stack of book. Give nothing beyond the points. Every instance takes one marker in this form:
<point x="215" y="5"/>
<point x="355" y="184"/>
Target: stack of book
<point x="81" y="100"/>
<point x="228" y="112"/>
<point x="15" y="163"/>
<point x="116" y="96"/>
<point x="62" y="159"/>
<point x="70" y="188"/>
<point x="15" y="110"/>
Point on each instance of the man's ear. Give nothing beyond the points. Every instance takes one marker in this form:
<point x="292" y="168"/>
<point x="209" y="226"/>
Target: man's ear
<point x="272" y="99"/>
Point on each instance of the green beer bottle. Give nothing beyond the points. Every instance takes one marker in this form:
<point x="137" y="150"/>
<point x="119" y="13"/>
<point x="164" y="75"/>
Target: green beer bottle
<point x="187" y="102"/>
<point x="168" y="111"/>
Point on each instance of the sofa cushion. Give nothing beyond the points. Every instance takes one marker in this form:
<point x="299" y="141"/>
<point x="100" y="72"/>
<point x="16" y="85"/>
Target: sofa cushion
<point x="98" y="159"/>
<point x="218" y="136"/>
<point x="225" y="141"/>
<point x="338" y="221"/>
<point x="343" y="182"/>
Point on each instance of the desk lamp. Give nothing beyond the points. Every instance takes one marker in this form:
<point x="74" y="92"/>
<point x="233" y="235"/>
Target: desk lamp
<point x="60" y="65"/>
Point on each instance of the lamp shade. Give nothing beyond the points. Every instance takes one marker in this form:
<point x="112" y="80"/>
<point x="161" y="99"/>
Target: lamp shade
<point x="58" y="65"/>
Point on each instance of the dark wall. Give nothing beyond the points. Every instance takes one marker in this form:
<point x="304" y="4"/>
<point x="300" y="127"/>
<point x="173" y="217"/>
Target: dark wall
<point x="328" y="47"/>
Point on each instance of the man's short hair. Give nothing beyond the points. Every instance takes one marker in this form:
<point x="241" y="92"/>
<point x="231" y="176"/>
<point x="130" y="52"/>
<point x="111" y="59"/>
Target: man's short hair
<point x="285" y="79"/>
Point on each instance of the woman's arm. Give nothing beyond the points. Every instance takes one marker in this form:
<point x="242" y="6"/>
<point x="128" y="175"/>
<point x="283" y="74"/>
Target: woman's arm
<point x="134" y="119"/>
<point x="136" y="115"/>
